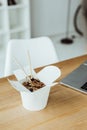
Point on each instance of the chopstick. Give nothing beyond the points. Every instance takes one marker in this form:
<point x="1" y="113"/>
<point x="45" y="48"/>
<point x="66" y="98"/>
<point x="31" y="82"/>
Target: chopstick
<point x="29" y="62"/>
<point x="17" y="62"/>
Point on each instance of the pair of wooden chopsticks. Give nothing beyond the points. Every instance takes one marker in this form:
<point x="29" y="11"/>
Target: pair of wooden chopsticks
<point x="22" y="68"/>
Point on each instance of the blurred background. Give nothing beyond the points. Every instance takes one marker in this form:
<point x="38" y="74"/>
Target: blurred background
<point x="21" y="19"/>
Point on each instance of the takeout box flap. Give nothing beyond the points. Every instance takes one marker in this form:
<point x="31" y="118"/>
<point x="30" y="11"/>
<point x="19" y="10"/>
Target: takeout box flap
<point x="18" y="86"/>
<point x="49" y="74"/>
<point x="20" y="75"/>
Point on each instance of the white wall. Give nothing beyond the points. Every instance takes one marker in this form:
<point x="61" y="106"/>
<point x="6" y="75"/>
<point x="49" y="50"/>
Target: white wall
<point x="48" y="17"/>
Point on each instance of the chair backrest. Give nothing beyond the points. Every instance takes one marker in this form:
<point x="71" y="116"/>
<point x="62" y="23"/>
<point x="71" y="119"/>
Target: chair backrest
<point x="42" y="52"/>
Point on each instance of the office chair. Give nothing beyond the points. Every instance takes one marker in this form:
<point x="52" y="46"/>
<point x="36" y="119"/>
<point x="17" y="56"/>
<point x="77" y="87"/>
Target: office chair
<point x="41" y="49"/>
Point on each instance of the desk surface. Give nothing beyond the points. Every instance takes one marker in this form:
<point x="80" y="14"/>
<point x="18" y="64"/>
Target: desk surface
<point x="66" y="108"/>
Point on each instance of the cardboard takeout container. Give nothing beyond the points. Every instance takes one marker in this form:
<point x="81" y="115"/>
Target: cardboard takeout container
<point x="38" y="99"/>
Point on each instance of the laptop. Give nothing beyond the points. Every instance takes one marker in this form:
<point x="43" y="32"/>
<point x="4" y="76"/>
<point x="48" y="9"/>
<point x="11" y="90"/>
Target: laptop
<point x="77" y="79"/>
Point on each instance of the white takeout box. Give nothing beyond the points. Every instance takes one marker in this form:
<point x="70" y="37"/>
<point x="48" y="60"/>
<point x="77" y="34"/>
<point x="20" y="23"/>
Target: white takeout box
<point x="36" y="100"/>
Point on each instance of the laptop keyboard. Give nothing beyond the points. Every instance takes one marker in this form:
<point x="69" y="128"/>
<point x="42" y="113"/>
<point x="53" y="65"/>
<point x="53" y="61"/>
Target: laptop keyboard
<point x="84" y="86"/>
